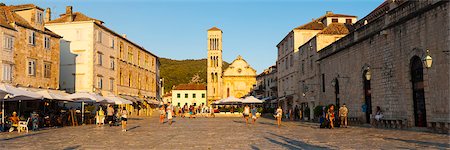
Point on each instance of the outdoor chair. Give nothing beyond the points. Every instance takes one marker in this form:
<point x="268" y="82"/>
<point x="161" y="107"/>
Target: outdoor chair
<point x="23" y="125"/>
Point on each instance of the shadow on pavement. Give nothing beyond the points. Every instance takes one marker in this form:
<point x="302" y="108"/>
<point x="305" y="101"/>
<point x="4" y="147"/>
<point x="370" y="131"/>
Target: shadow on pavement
<point x="254" y="147"/>
<point x="438" y="145"/>
<point x="132" y="128"/>
<point x="21" y="136"/>
<point x="238" y="121"/>
<point x="72" y="147"/>
<point x="292" y="143"/>
<point x="267" y="123"/>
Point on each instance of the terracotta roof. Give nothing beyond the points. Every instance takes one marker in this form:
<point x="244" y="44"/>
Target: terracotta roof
<point x="190" y="87"/>
<point x="336" y="28"/>
<point x="214" y="29"/>
<point x="77" y="16"/>
<point x="24" y="6"/>
<point x="167" y="95"/>
<point x="313" y="25"/>
<point x="4" y="21"/>
<point x="7" y="16"/>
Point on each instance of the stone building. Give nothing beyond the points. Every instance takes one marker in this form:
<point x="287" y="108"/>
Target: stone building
<point x="266" y="84"/>
<point x="382" y="64"/>
<point x="97" y="59"/>
<point x="189" y="94"/>
<point x="7" y="36"/>
<point x="308" y="74"/>
<point x="32" y="50"/>
<point x="237" y="80"/>
<point x="287" y="63"/>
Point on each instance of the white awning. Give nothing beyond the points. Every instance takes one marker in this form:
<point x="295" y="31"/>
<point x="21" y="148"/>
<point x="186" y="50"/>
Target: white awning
<point x="53" y="95"/>
<point x="251" y="100"/>
<point x="117" y="100"/>
<point x="83" y="96"/>
<point x="17" y="94"/>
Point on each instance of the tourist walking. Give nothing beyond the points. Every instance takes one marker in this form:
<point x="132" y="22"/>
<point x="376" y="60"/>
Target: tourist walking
<point x="279" y="115"/>
<point x="254" y="111"/>
<point x="162" y="114"/>
<point x="330" y="116"/>
<point x="183" y="111"/>
<point x="169" y="112"/>
<point x="100" y="117"/>
<point x="211" y="112"/>
<point x="246" y="113"/>
<point x="110" y="115"/>
<point x="343" y="113"/>
<point x="124" y="119"/>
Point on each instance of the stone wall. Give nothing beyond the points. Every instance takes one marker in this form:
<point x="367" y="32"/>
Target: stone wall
<point x="387" y="44"/>
<point x="24" y="51"/>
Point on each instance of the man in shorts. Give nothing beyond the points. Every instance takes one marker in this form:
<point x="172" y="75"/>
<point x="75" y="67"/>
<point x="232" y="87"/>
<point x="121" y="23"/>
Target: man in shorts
<point x="343" y="113"/>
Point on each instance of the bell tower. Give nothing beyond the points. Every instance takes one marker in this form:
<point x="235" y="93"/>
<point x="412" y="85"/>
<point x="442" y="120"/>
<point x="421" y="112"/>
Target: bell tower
<point x="214" y="65"/>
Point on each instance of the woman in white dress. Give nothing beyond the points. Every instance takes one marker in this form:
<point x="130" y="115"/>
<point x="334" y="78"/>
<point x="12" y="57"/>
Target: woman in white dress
<point x="169" y="112"/>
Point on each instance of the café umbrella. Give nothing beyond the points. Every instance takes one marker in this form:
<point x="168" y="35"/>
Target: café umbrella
<point x="86" y="97"/>
<point x="251" y="100"/>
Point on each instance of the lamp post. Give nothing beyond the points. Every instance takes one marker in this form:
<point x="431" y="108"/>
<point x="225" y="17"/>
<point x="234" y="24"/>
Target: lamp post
<point x="427" y="60"/>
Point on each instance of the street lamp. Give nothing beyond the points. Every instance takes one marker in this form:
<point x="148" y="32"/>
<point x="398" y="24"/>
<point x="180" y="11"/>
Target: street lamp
<point x="427" y="60"/>
<point x="368" y="74"/>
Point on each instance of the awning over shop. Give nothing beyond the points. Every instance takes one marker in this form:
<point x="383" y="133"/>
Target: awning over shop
<point x="130" y="98"/>
<point x="118" y="100"/>
<point x="251" y="100"/>
<point x="11" y="93"/>
<point x="86" y="96"/>
<point x="54" y="95"/>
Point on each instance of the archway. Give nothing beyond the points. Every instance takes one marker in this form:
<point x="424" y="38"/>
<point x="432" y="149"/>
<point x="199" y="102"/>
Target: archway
<point x="418" y="92"/>
<point x="367" y="96"/>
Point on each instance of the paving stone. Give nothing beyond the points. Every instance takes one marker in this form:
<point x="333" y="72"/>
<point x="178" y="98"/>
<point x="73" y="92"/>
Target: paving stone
<point x="221" y="133"/>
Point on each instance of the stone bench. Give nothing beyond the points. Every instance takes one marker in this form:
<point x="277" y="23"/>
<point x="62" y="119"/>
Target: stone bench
<point x="354" y="120"/>
<point x="441" y="127"/>
<point x="389" y="123"/>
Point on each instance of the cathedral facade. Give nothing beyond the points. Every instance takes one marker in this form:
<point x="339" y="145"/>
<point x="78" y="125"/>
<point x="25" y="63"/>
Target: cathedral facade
<point x="237" y="80"/>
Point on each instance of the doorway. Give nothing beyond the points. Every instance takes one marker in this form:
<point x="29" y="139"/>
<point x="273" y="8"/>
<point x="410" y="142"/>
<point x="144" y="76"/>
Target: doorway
<point x="367" y="97"/>
<point x="418" y="92"/>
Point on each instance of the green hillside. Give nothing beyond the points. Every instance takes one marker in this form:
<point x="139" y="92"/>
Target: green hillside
<point x="177" y="72"/>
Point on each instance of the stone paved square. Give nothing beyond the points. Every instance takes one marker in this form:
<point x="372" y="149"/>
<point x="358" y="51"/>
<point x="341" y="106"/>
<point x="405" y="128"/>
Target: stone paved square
<point x="221" y="133"/>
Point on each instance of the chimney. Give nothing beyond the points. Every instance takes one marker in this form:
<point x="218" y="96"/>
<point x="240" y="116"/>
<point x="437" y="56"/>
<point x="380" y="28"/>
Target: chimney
<point x="48" y="15"/>
<point x="329" y="12"/>
<point x="124" y="35"/>
<point x="70" y="13"/>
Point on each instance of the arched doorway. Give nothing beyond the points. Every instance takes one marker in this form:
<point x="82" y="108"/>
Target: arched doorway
<point x="367" y="96"/>
<point x="418" y="92"/>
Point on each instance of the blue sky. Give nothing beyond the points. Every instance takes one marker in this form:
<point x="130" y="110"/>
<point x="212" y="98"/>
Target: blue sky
<point x="177" y="29"/>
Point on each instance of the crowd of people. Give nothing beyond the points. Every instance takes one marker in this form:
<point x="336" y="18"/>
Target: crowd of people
<point x="113" y="117"/>
<point x="169" y="111"/>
